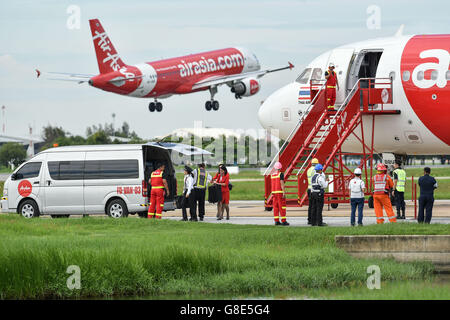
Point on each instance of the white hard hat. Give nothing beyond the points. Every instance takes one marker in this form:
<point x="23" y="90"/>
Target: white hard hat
<point x="358" y="171"/>
<point x="331" y="65"/>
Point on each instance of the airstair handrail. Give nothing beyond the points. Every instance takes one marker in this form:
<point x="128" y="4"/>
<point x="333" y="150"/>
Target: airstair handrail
<point x="343" y="104"/>
<point x="288" y="139"/>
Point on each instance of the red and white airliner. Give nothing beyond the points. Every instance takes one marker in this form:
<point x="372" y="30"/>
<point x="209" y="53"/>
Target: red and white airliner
<point x="419" y="66"/>
<point x="236" y="67"/>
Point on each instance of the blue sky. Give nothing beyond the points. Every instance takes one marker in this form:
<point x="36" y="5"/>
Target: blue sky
<point x="33" y="34"/>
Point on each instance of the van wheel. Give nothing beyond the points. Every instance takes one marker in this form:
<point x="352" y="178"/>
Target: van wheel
<point x="29" y="209"/>
<point x="117" y="209"/>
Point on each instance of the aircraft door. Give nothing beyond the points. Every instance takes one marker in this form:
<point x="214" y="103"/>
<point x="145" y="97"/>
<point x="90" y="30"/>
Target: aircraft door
<point x="341" y="59"/>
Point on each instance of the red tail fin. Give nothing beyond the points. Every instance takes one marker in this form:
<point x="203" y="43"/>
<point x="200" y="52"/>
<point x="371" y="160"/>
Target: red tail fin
<point x="107" y="57"/>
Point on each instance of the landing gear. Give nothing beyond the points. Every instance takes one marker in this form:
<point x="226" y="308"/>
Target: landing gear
<point x="212" y="104"/>
<point x="152" y="106"/>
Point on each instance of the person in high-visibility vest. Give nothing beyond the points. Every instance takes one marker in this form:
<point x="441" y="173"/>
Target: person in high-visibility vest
<point x="382" y="184"/>
<point x="201" y="180"/>
<point x="318" y="184"/>
<point x="159" y="184"/>
<point x="310" y="174"/>
<point x="399" y="189"/>
<point x="331" y="85"/>
<point x="278" y="193"/>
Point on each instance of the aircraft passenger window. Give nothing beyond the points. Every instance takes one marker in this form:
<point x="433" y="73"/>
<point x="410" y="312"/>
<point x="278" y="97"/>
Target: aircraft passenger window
<point x="447" y="75"/>
<point x="392" y="75"/>
<point x="420" y="75"/>
<point x="406" y="75"/>
<point x="316" y="74"/>
<point x="434" y="75"/>
<point x="304" y="76"/>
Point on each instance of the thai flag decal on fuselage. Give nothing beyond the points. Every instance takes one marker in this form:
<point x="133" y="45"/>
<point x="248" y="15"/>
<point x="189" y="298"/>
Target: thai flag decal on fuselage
<point x="304" y="95"/>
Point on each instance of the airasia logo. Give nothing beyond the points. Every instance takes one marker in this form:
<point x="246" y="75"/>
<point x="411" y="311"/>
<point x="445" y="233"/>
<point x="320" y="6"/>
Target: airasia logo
<point x="254" y="86"/>
<point x="204" y="65"/>
<point x="437" y="70"/>
<point x="424" y="70"/>
<point x="25" y="188"/>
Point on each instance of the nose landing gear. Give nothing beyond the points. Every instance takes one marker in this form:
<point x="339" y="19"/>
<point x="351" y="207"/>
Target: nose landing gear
<point x="152" y="106"/>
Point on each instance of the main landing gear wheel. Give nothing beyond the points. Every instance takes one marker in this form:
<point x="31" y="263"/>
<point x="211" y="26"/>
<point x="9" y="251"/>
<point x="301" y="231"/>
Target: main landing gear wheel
<point x="213" y="104"/>
<point x="155" y="106"/>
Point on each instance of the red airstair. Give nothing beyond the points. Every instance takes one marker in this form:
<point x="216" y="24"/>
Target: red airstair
<point x="320" y="134"/>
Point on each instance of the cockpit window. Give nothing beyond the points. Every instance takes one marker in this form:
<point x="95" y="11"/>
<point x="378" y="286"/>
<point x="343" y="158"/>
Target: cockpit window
<point x="316" y="74"/>
<point x="304" y="76"/>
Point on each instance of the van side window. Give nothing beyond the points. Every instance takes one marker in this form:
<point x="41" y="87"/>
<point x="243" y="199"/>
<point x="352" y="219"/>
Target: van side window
<point x="30" y="170"/>
<point x="111" y="169"/>
<point x="66" y="170"/>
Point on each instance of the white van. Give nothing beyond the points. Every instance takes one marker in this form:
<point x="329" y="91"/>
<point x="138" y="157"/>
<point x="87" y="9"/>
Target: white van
<point x="98" y="179"/>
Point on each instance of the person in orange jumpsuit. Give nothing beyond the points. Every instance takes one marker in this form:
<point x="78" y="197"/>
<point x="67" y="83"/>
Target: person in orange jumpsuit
<point x="279" y="200"/>
<point x="331" y="84"/>
<point x="159" y="184"/>
<point x="382" y="185"/>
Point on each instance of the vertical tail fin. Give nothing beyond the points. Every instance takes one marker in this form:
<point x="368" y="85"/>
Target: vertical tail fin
<point x="107" y="57"/>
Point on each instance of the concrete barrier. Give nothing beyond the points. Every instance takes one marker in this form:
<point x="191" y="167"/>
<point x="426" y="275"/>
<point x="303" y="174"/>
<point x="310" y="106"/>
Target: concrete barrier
<point x="434" y="248"/>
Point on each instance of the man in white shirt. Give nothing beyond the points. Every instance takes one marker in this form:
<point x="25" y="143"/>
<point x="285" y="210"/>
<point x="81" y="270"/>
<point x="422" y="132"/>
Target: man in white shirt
<point x="318" y="185"/>
<point x="187" y="198"/>
<point x="357" y="189"/>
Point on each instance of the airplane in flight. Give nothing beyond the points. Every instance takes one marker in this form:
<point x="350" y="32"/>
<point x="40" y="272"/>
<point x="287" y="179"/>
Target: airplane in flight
<point x="419" y="68"/>
<point x="236" y="67"/>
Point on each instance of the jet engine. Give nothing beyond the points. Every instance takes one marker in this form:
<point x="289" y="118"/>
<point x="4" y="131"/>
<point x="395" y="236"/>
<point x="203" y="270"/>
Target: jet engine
<point x="245" y="88"/>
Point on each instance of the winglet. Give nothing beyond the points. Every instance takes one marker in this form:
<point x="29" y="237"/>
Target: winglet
<point x="291" y="66"/>
<point x="38" y="73"/>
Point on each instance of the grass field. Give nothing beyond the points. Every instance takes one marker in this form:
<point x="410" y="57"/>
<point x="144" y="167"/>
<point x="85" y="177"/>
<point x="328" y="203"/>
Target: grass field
<point x="141" y="257"/>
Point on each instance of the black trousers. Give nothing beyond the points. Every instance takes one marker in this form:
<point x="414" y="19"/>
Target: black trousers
<point x="399" y="202"/>
<point x="317" y="201"/>
<point x="199" y="197"/>
<point x="425" y="206"/>
<point x="187" y="203"/>
<point x="309" y="206"/>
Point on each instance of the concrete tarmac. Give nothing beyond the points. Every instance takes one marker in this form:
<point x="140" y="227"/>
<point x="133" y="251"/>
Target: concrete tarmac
<point x="252" y="212"/>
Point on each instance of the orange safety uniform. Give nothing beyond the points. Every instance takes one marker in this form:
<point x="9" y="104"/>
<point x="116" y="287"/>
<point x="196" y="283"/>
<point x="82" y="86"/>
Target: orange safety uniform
<point x="331" y="89"/>
<point x="279" y="202"/>
<point x="382" y="184"/>
<point x="156" y="195"/>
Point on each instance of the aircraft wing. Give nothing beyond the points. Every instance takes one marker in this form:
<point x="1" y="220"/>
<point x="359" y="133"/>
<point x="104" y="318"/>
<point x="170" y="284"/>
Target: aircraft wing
<point x="218" y="80"/>
<point x="65" y="76"/>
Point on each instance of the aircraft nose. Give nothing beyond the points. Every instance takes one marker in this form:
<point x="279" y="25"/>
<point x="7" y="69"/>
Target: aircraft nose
<point x="265" y="114"/>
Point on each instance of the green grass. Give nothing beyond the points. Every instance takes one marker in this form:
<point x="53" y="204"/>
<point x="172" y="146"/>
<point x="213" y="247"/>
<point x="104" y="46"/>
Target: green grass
<point x="141" y="257"/>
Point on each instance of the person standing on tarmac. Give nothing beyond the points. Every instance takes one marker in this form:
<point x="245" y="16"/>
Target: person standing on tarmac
<point x="399" y="189"/>
<point x="331" y="84"/>
<point x="187" y="195"/>
<point x="318" y="184"/>
<point x="159" y="184"/>
<point x="310" y="173"/>
<point x="427" y="185"/>
<point x="201" y="179"/>
<point x="278" y="194"/>
<point x="223" y="179"/>
<point x="382" y="185"/>
<point x="357" y="190"/>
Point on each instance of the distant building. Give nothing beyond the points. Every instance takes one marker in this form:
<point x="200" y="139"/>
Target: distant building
<point x="30" y="144"/>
